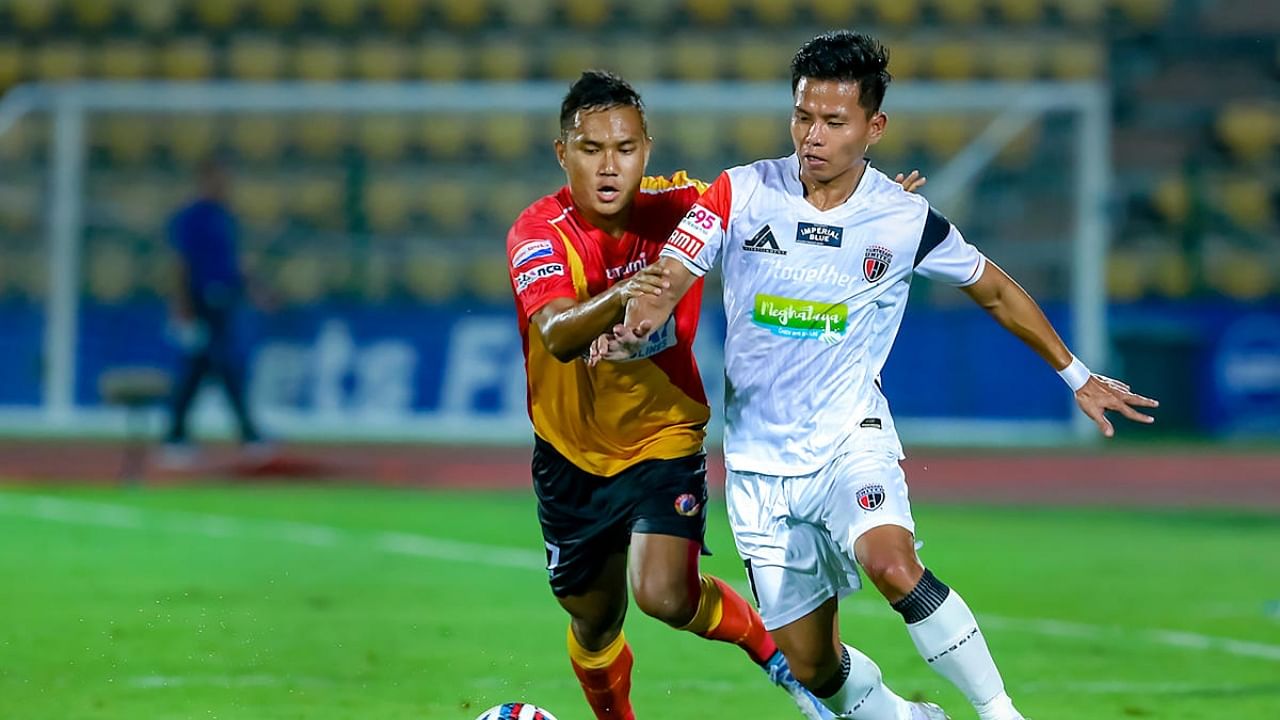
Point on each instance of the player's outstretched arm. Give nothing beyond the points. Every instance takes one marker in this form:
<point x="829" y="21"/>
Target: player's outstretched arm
<point x="568" y="327"/>
<point x="644" y="312"/>
<point x="1018" y="313"/>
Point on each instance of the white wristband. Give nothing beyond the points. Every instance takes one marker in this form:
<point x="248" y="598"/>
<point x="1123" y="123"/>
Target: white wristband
<point x="1075" y="375"/>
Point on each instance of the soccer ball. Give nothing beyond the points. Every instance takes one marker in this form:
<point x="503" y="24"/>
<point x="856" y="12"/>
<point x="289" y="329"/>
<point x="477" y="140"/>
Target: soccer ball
<point x="516" y="711"/>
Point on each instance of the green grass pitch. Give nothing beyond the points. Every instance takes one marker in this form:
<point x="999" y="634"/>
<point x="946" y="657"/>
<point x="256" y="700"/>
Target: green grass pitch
<point x="333" y="602"/>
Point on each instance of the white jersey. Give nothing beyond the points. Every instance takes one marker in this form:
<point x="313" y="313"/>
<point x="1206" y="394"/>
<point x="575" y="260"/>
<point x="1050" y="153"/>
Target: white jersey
<point x="814" y="300"/>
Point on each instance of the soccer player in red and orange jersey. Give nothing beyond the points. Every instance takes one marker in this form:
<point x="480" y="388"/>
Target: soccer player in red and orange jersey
<point x="618" y="459"/>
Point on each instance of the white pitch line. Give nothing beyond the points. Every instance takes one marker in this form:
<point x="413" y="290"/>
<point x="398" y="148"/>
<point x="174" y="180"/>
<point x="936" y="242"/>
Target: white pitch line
<point x="226" y="526"/>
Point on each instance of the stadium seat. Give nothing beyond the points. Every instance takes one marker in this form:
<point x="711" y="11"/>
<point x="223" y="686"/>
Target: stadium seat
<point x="907" y="59"/>
<point x="93" y="15"/>
<point x="1084" y="13"/>
<point x="461" y="14"/>
<point x="761" y="60"/>
<point x="301" y="278"/>
<point x="21" y="210"/>
<point x="898" y="136"/>
<point x="1077" y="61"/>
<point x="382" y="137"/>
<point x="504" y="59"/>
<point x="154" y="16"/>
<point x="506" y="137"/>
<point x="257" y="137"/>
<point x="12" y="64"/>
<point x="111" y="271"/>
<point x="1011" y="60"/>
<point x="587" y="14"/>
<point x="316" y="199"/>
<point x="530" y="14"/>
<point x="279" y="13"/>
<point x="1020" y="150"/>
<point x="1143" y="13"/>
<point x="1126" y="271"/>
<point x="487" y="278"/>
<point x="187" y="59"/>
<point x="1241" y="274"/>
<point x="897" y="12"/>
<point x="945" y="135"/>
<point x="401" y="15"/>
<point x="22" y="142"/>
<point x="381" y="59"/>
<point x="432" y="273"/>
<point x="835" y="12"/>
<point x="771" y="13"/>
<point x="1171" y="199"/>
<point x="693" y="59"/>
<point x="126" y="138"/>
<point x="125" y="60"/>
<point x="639" y="60"/>
<point x="32" y="15"/>
<point x="1021" y="12"/>
<point x="340" y="14"/>
<point x="953" y="61"/>
<point x="322" y="135"/>
<point x="255" y="58"/>
<point x="696" y="137"/>
<point x="570" y="57"/>
<point x="1249" y="130"/>
<point x="507" y="200"/>
<point x="218" y="14"/>
<point x="259" y="201"/>
<point x="959" y="12"/>
<point x="442" y="58"/>
<point x="709" y="12"/>
<point x="60" y="60"/>
<point x="1247" y="201"/>
<point x="1170" y="274"/>
<point x="447" y="203"/>
<point x="137" y="206"/>
<point x="387" y="205"/>
<point x="190" y="139"/>
<point x="320" y="61"/>
<point x="761" y="136"/>
<point x="446" y="136"/>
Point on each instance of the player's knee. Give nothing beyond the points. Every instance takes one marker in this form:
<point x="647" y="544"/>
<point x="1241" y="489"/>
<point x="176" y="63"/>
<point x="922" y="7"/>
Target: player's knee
<point x="894" y="577"/>
<point x="665" y="600"/>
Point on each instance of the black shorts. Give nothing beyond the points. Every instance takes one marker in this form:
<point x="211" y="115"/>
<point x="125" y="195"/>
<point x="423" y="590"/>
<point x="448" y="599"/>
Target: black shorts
<point x="586" y="518"/>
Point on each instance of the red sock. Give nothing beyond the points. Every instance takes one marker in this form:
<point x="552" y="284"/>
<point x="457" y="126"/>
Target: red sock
<point x="724" y="615"/>
<point x="605" y="677"/>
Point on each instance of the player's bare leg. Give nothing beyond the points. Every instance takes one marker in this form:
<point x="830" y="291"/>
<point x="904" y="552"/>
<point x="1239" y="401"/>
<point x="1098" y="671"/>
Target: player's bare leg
<point x="845" y="680"/>
<point x="598" y="649"/>
<point x="668" y="586"/>
<point x="938" y="620"/>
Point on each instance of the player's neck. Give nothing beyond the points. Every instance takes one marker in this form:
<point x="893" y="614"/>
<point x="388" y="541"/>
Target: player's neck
<point x="834" y="192"/>
<point x="614" y="225"/>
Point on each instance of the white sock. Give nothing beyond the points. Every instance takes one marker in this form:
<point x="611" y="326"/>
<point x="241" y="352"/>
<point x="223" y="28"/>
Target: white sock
<point x="950" y="641"/>
<point x="864" y="696"/>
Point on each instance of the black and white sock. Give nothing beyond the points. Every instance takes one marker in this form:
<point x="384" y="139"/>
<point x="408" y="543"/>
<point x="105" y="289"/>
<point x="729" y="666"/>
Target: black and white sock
<point x="858" y="691"/>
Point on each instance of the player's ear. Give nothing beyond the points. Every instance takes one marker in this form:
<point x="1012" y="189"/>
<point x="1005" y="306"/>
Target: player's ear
<point x="876" y="127"/>
<point x="560" y="148"/>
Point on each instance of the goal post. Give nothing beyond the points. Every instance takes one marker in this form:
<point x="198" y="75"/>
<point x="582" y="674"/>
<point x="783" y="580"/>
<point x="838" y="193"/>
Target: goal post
<point x="997" y="113"/>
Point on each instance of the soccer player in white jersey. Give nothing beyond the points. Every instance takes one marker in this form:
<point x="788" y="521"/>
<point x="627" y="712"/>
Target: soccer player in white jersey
<point x="818" y="250"/>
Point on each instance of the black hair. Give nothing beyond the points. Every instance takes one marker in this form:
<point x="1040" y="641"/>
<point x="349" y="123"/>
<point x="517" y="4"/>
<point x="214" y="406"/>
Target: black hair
<point x="844" y="55"/>
<point x="599" y="90"/>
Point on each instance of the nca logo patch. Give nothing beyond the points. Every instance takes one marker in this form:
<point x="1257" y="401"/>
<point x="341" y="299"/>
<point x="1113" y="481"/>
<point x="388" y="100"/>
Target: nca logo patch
<point x="824" y="235"/>
<point x="529" y="277"/>
<point x="531" y="251"/>
<point x="764" y="242"/>
<point x="871" y="497"/>
<point x="875" y="263"/>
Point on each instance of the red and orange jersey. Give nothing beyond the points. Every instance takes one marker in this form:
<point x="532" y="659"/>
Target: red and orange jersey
<point x="610" y="417"/>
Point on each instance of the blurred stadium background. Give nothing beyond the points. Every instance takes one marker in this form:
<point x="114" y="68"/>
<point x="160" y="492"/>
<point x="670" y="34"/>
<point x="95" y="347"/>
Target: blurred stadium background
<point x="381" y="148"/>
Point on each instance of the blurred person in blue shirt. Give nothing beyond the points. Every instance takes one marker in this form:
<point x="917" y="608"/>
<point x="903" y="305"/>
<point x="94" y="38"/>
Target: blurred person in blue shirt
<point x="210" y="289"/>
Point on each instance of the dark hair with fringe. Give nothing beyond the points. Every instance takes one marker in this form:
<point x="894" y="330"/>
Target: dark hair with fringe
<point x="844" y="55"/>
<point x="599" y="90"/>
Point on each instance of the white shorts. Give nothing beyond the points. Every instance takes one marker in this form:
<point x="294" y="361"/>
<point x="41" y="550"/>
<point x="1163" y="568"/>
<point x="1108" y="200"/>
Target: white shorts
<point x="797" y="533"/>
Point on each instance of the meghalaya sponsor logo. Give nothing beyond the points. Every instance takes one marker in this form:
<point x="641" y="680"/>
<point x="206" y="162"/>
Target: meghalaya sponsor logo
<point x="870" y="497"/>
<point x="764" y="242"/>
<point x="687" y="505"/>
<point x="815" y="234"/>
<point x="529" y="277"/>
<point x="876" y="262"/>
<point x="531" y="251"/>
<point x="793" y="318"/>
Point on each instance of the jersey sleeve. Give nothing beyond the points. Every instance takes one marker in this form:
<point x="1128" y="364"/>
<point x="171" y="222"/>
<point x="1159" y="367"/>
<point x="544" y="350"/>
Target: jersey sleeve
<point x="945" y="256"/>
<point x="539" y="268"/>
<point x="696" y="241"/>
